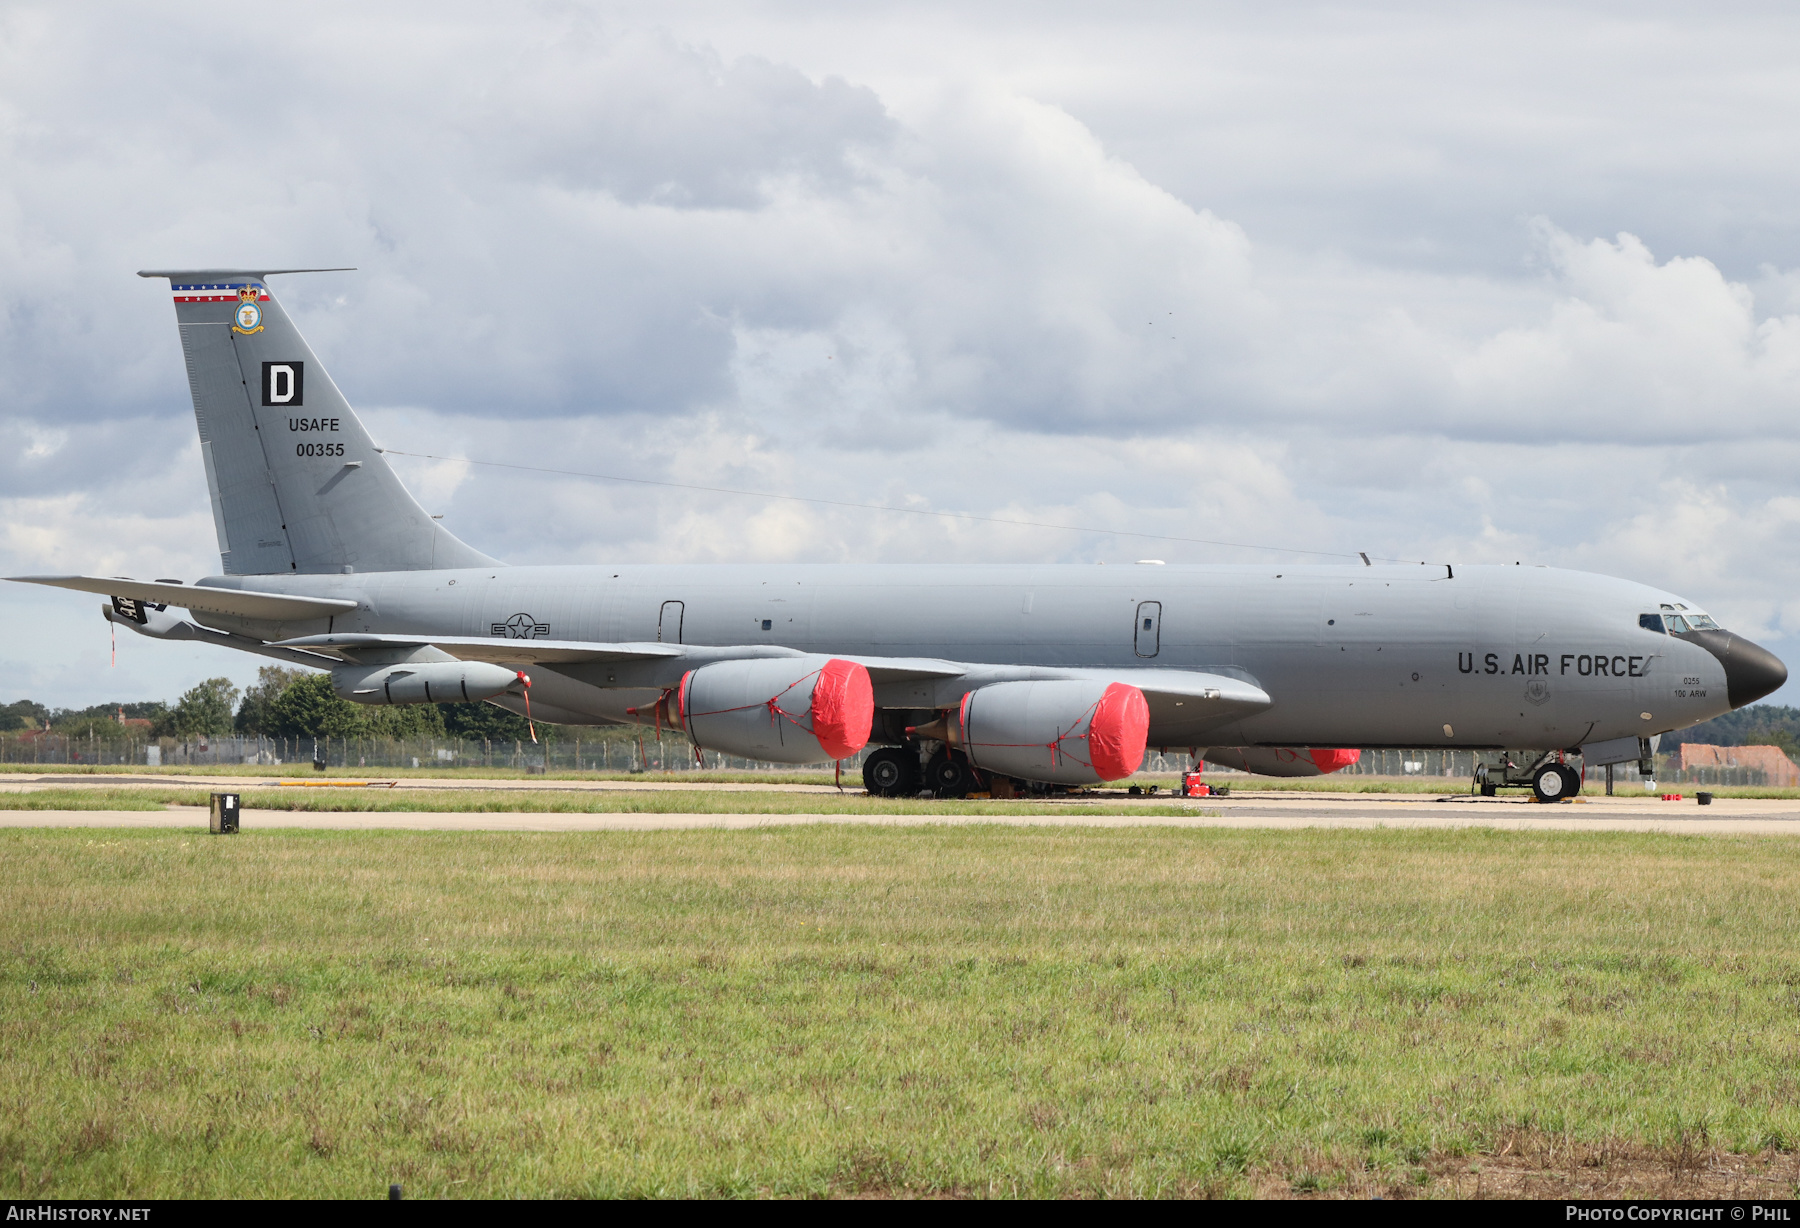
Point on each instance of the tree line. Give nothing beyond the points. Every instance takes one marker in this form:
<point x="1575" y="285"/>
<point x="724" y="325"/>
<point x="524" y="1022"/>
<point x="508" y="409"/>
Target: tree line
<point x="282" y="703"/>
<point x="1756" y="725"/>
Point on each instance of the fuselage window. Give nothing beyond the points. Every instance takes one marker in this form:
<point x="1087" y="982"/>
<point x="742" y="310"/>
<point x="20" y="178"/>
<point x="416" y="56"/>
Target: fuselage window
<point x="1701" y="622"/>
<point x="1676" y="623"/>
<point x="1651" y="622"/>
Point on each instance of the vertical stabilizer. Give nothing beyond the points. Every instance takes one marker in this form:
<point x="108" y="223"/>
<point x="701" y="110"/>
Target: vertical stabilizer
<point x="296" y="483"/>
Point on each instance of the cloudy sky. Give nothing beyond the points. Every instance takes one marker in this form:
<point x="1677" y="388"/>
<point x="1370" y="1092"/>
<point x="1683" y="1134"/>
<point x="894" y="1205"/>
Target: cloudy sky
<point x="1476" y="283"/>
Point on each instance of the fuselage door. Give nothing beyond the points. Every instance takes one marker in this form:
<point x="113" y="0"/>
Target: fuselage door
<point x="668" y="623"/>
<point x="1147" y="636"/>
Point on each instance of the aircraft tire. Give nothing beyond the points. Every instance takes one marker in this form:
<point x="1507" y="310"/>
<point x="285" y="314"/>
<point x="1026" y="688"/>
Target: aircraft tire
<point x="892" y="771"/>
<point x="1573" y="779"/>
<point x="949" y="775"/>
<point x="1549" y="784"/>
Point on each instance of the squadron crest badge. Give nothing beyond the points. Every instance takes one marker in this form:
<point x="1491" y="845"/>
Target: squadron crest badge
<point x="249" y="313"/>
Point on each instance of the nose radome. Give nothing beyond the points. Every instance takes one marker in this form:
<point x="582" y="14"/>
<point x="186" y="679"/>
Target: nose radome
<point x="1751" y="671"/>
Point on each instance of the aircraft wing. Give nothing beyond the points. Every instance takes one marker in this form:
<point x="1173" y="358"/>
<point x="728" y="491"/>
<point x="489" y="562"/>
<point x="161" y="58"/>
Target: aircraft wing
<point x="242" y="603"/>
<point x="1175" y="687"/>
<point x="489" y="648"/>
<point x="1183" y="703"/>
<point x="1180" y="685"/>
<point x="906" y="669"/>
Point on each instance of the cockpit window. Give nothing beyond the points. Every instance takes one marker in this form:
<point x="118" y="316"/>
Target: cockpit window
<point x="1687" y="620"/>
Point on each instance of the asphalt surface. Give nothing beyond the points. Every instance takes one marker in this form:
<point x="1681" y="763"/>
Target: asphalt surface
<point x="1245" y="808"/>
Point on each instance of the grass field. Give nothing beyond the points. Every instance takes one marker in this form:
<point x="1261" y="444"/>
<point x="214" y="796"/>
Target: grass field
<point x="938" y="1010"/>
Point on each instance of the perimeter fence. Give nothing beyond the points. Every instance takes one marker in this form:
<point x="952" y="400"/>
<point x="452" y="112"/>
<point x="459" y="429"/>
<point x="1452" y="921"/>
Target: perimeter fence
<point x="612" y="750"/>
<point x="629" y="750"/>
<point x="590" y="751"/>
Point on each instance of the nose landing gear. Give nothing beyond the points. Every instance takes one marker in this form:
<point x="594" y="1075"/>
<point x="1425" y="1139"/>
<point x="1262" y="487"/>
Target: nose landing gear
<point x="1549" y="777"/>
<point x="1555" y="782"/>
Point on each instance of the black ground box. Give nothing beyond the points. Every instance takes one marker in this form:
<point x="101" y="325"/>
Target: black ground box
<point x="222" y="817"/>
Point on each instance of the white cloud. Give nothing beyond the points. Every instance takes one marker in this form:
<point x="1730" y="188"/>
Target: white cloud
<point x="1184" y="272"/>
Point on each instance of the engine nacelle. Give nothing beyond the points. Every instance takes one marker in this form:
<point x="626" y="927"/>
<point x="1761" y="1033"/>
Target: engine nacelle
<point x="1070" y="732"/>
<point x="426" y="682"/>
<point x="1282" y="760"/>
<point x="809" y="709"/>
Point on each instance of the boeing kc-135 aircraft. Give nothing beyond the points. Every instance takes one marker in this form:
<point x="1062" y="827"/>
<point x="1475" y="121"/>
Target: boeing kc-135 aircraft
<point x="965" y="676"/>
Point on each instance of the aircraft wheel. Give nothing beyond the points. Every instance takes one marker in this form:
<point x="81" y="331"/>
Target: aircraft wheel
<point x="1489" y="789"/>
<point x="1549" y="783"/>
<point x="892" y="771"/>
<point x="949" y="775"/>
<point x="1572" y="778"/>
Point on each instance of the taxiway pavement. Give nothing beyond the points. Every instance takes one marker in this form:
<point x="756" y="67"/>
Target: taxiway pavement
<point x="1243" y="809"/>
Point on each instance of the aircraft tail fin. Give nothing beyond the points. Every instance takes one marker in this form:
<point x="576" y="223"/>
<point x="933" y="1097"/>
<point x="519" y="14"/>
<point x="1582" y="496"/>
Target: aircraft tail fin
<point x="297" y="486"/>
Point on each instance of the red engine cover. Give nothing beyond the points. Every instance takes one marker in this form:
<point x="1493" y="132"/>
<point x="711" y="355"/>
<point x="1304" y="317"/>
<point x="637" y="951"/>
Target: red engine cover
<point x="1117" y="732"/>
<point x="1060" y="731"/>
<point x="1334" y="760"/>
<point x="808" y="709"/>
<point x="843" y="708"/>
<point x="1283" y="760"/>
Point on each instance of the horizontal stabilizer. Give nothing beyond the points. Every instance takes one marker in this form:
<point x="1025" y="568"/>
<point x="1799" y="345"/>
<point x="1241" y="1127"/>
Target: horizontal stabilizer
<point x="241" y="603"/>
<point x="162" y="625"/>
<point x="172" y="273"/>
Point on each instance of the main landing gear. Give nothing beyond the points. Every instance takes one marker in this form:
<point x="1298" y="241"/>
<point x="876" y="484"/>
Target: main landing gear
<point x="949" y="774"/>
<point x="894" y="771"/>
<point x="1549" y="777"/>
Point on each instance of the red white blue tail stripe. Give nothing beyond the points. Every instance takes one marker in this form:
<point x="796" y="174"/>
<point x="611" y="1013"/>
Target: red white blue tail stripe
<point x="217" y="292"/>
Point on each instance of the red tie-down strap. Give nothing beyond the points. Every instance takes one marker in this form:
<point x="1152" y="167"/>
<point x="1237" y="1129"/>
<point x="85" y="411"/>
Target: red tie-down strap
<point x="661" y="710"/>
<point x="1117" y="721"/>
<point x="529" y="723"/>
<point x="843" y="707"/>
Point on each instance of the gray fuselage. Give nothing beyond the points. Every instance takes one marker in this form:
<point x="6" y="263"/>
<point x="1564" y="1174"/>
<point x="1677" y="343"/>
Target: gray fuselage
<point x="1413" y="656"/>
